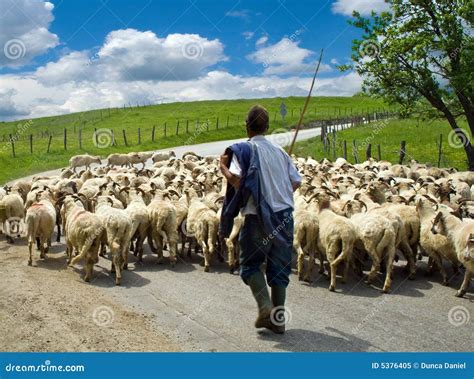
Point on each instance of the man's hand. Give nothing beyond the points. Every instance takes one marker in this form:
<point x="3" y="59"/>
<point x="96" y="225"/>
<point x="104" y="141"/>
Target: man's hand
<point x="232" y="179"/>
<point x="224" y="160"/>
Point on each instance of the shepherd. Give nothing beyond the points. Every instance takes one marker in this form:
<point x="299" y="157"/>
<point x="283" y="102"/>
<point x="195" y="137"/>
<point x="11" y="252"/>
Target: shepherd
<point x="261" y="180"/>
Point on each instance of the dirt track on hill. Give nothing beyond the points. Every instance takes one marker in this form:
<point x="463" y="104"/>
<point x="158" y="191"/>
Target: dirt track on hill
<point x="48" y="307"/>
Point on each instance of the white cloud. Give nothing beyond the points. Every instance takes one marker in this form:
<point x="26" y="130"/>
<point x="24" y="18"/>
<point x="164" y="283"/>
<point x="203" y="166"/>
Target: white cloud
<point x="261" y="41"/>
<point x="244" y="13"/>
<point x="285" y="58"/>
<point x="248" y="34"/>
<point x="139" y="67"/>
<point x="8" y="108"/>
<point x="334" y="61"/>
<point x="364" y="7"/>
<point x="29" y="93"/>
<point x="132" y="55"/>
<point x="24" y="31"/>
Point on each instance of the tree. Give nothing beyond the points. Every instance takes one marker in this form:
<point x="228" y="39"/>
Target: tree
<point x="421" y="51"/>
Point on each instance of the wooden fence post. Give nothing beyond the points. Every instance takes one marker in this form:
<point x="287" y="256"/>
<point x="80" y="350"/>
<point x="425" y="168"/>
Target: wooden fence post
<point x="80" y="138"/>
<point x="217" y="123"/>
<point x="187" y="126"/>
<point x="344" y="149"/>
<point x="440" y="151"/>
<point x="65" y="139"/>
<point x="49" y="143"/>
<point x="354" y="151"/>
<point x="13" y="146"/>
<point x="379" y="153"/>
<point x="165" y="129"/>
<point x="124" y="137"/>
<point x="139" y="136"/>
<point x="402" y="152"/>
<point x="153" y="134"/>
<point x="227" y="123"/>
<point x="96" y="137"/>
<point x="31" y="143"/>
<point x="113" y="138"/>
<point x="368" y="152"/>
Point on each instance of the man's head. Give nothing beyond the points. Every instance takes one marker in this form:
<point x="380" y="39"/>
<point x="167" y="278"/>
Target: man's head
<point x="257" y="121"/>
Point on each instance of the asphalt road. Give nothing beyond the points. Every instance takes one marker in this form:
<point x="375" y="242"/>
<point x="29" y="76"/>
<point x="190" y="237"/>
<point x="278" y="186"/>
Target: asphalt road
<point x="215" y="311"/>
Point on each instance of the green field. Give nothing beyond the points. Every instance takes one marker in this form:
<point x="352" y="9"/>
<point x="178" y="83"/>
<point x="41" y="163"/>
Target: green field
<point x="421" y="143"/>
<point x="200" y="117"/>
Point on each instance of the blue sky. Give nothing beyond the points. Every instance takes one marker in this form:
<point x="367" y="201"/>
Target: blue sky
<point x="67" y="56"/>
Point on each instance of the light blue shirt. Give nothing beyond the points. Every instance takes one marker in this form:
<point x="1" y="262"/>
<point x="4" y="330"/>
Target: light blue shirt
<point x="278" y="174"/>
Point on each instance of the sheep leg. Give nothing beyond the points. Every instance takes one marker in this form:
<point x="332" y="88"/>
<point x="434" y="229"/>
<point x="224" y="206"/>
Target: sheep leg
<point x="309" y="270"/>
<point x="48" y="246"/>
<point x="465" y="284"/>
<point x="230" y="254"/>
<point x="30" y="248"/>
<point x="389" y="270"/>
<point x="374" y="270"/>
<point x="58" y="234"/>
<point x="89" y="267"/>
<point x="439" y="262"/>
<point x="38" y="247"/>
<point x="430" y="269"/>
<point x="42" y="250"/>
<point x="69" y="249"/>
<point x="300" y="260"/>
<point x="408" y="254"/>
<point x="158" y="240"/>
<point x="207" y="258"/>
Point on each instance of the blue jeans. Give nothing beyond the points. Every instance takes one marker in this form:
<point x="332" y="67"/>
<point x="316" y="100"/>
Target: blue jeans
<point x="256" y="247"/>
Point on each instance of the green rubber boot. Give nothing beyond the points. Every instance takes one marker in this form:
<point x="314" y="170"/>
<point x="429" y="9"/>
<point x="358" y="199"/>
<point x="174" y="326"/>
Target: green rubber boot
<point x="258" y="285"/>
<point x="278" y="315"/>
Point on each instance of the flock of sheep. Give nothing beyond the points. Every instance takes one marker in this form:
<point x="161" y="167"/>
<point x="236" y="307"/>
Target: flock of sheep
<point x="363" y="216"/>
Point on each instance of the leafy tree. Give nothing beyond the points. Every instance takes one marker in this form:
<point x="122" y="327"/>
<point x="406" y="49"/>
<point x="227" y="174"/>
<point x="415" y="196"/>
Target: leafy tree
<point x="421" y="52"/>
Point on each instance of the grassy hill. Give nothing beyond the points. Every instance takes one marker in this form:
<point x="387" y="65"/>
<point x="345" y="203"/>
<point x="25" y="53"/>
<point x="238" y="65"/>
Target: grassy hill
<point x="175" y="124"/>
<point x="422" y="141"/>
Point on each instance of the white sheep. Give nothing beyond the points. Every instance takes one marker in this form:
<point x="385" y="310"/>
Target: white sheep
<point x="83" y="231"/>
<point x="162" y="156"/>
<point x="461" y="235"/>
<point x="83" y="160"/>
<point x="40" y="221"/>
<point x="117" y="227"/>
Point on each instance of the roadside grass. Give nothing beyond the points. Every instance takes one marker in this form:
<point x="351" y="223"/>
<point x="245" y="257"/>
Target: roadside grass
<point x="200" y="118"/>
<point x="421" y="143"/>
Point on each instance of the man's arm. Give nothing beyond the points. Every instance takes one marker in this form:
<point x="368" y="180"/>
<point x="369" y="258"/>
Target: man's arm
<point x="234" y="180"/>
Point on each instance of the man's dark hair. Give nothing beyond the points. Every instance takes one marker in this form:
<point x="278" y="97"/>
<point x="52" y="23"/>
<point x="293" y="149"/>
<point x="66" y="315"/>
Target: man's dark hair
<point x="257" y="119"/>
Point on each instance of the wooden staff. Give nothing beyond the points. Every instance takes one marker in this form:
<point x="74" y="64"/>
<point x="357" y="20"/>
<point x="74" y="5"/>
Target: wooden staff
<point x="306" y="104"/>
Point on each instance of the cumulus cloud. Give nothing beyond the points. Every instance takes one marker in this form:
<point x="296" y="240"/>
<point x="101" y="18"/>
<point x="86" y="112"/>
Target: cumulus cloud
<point x="132" y="55"/>
<point x="285" y="58"/>
<point x="248" y="34"/>
<point x="364" y="7"/>
<point x="28" y="92"/>
<point x="8" y="108"/>
<point x="24" y="31"/>
<point x="261" y="41"/>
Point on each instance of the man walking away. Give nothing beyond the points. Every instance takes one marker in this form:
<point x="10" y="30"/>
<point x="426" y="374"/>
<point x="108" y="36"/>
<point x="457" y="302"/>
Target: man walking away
<point x="262" y="180"/>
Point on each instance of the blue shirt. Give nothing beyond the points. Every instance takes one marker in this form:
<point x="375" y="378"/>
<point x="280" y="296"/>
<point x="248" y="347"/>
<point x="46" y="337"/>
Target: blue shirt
<point x="278" y="174"/>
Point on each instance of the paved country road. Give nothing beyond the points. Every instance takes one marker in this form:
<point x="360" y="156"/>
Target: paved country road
<point x="48" y="307"/>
